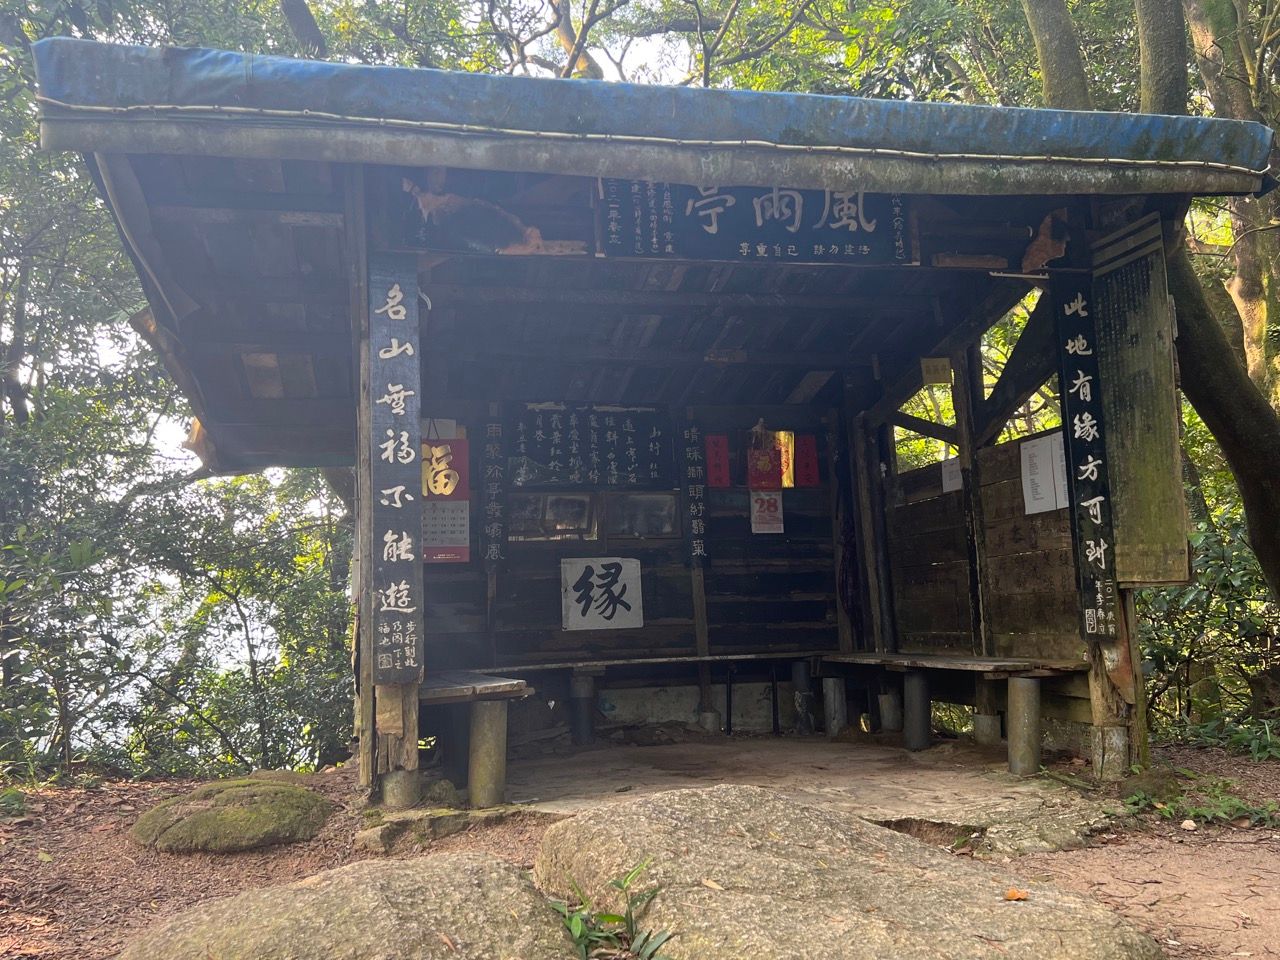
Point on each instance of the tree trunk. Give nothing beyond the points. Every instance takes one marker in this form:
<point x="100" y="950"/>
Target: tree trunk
<point x="1058" y="49"/>
<point x="1162" y="56"/>
<point x="1237" y="415"/>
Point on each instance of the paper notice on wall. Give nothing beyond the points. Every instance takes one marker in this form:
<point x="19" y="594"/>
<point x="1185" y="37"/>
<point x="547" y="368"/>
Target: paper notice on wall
<point x="951" y="475"/>
<point x="1044" y="474"/>
<point x="766" y="511"/>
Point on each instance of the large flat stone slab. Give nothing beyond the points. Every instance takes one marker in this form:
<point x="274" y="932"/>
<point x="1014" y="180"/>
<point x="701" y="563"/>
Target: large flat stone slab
<point x="749" y="872"/>
<point x="443" y="907"/>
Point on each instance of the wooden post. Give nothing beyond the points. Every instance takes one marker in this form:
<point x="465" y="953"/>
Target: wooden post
<point x="355" y="241"/>
<point x="693" y="480"/>
<point x="834" y="434"/>
<point x="966" y="393"/>
<point x="986" y="712"/>
<point x="872" y="529"/>
<point x="389" y="495"/>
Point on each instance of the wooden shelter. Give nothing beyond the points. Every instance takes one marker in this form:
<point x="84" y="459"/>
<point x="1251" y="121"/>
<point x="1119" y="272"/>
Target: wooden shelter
<point x="620" y="371"/>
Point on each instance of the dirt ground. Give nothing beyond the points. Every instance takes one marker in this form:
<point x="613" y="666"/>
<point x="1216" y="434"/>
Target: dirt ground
<point x="72" y="884"/>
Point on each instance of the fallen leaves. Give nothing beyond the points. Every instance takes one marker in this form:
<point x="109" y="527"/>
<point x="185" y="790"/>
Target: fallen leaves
<point x="1013" y="893"/>
<point x="712" y="885"/>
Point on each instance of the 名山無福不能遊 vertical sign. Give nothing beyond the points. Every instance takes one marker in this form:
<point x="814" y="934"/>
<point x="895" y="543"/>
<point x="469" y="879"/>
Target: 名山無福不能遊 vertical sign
<point x="601" y="593"/>
<point x="395" y="471"/>
<point x="1086" y="449"/>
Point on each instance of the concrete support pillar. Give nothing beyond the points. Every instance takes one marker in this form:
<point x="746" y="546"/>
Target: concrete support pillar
<point x="890" y="702"/>
<point x="835" y="705"/>
<point x="582" y="708"/>
<point x="917" y="714"/>
<point x="1110" y="750"/>
<point x="802" y="684"/>
<point x="401" y="789"/>
<point x="487" y="761"/>
<point x="1024" y="726"/>
<point x="986" y="713"/>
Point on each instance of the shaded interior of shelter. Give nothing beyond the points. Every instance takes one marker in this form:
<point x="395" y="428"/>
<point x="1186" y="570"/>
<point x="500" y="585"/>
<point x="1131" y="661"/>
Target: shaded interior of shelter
<point x="253" y="259"/>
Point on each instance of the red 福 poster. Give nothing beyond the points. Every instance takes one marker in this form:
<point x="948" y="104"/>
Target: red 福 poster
<point x="446" y="495"/>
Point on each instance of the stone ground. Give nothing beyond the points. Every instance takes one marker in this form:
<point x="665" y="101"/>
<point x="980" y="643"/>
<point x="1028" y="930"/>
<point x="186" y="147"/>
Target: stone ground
<point x="72" y="885"/>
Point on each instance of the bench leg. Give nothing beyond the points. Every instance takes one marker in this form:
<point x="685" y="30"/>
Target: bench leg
<point x="986" y="713"/>
<point x="1024" y="726"/>
<point x="582" y="708"/>
<point x="835" y="705"/>
<point x="889" y="700"/>
<point x="917" y="720"/>
<point x="487" y="762"/>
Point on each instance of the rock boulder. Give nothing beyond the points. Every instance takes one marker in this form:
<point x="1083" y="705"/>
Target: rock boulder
<point x="444" y="907"/>
<point x="748" y="873"/>
<point x="231" y="815"/>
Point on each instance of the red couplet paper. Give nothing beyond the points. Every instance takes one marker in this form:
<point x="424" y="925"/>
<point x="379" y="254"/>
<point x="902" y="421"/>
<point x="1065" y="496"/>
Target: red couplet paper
<point x="717" y="460"/>
<point x="807" y="461"/>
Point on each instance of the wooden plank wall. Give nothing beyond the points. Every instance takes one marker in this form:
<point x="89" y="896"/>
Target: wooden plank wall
<point x="929" y="564"/>
<point x="1032" y="603"/>
<point x="764" y="592"/>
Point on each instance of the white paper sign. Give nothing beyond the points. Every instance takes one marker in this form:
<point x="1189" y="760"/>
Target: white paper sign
<point x="951" y="479"/>
<point x="601" y="593"/>
<point x="1044" y="474"/>
<point x="766" y="511"/>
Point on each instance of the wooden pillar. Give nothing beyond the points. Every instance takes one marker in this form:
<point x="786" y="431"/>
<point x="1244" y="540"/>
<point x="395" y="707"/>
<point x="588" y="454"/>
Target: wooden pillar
<point x="693" y="483"/>
<point x="838" y="502"/>
<point x="835" y="705"/>
<point x="986" y="712"/>
<point x="867" y="466"/>
<point x="389" y="508"/>
<point x="966" y="393"/>
<point x="355" y="243"/>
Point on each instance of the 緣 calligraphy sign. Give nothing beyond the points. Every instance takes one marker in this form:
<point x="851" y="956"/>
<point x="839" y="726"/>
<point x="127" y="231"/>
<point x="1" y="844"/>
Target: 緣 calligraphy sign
<point x="601" y="593"/>
<point x="1086" y="448"/>
<point x="395" y="437"/>
<point x="637" y="218"/>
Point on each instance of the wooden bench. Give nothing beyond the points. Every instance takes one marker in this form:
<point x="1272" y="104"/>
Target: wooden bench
<point x="487" y="749"/>
<point x="1022" y="675"/>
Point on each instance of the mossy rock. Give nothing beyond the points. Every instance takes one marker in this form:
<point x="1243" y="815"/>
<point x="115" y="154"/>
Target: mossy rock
<point x="1158" y="783"/>
<point x="233" y="815"/>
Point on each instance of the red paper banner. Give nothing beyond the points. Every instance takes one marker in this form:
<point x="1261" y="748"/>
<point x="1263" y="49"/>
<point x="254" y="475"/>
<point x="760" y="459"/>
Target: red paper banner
<point x="446" y="492"/>
<point x="807" y="461"/>
<point x="764" y="468"/>
<point x="718" y="460"/>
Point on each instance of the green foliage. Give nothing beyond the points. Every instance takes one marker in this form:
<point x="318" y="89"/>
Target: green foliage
<point x="1208" y="800"/>
<point x="13" y="802"/>
<point x="1258" y="739"/>
<point x="614" y="936"/>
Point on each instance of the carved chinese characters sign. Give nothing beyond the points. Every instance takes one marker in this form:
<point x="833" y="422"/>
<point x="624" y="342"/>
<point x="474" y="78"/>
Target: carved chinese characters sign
<point x="601" y="593"/>
<point x="637" y="218"/>
<point x="395" y="469"/>
<point x="1086" y="448"/>
<point x="552" y="444"/>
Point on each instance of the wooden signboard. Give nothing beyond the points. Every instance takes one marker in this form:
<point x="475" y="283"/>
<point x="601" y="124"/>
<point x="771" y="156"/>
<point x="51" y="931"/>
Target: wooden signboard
<point x="395" y="470"/>
<point x="1088" y="459"/>
<point x="1134" y="319"/>
<point x="579" y="445"/>
<point x="636" y="218"/>
<point x="494" y="502"/>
